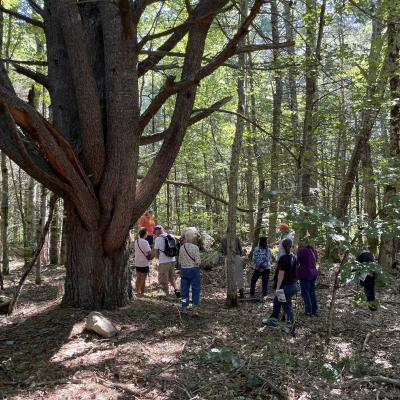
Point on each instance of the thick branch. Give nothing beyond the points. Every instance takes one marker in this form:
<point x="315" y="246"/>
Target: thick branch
<point x="36" y="7"/>
<point x="34" y="75"/>
<point x="90" y="116"/>
<point x="229" y="50"/>
<point x="58" y="154"/>
<point x="22" y="17"/>
<point x="24" y="62"/>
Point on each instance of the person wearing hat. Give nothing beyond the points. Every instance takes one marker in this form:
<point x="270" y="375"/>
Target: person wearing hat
<point x="166" y="268"/>
<point x="285" y="234"/>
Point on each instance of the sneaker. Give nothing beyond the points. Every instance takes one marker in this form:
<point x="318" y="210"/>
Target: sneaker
<point x="177" y="293"/>
<point x="264" y="299"/>
<point x="241" y="294"/>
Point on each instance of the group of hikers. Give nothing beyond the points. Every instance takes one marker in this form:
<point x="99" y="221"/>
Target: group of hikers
<point x="293" y="269"/>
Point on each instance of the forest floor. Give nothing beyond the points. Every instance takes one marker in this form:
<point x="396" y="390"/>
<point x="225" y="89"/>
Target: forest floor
<point x="221" y="354"/>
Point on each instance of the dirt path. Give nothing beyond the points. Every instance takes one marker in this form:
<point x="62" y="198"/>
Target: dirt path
<point x="222" y="354"/>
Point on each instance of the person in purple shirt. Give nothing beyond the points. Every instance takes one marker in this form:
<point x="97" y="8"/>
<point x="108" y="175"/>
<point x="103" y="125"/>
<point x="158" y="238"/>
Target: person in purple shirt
<point x="307" y="275"/>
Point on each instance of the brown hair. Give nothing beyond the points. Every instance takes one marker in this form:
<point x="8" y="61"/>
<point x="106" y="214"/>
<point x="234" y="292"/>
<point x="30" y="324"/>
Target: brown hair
<point x="287" y="245"/>
<point x="142" y="232"/>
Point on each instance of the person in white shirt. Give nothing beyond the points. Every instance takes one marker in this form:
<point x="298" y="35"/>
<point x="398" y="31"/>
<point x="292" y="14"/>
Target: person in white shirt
<point x="189" y="260"/>
<point x="166" y="269"/>
<point x="142" y="260"/>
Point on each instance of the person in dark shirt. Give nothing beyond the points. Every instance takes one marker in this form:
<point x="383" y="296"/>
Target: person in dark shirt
<point x="367" y="281"/>
<point x="285" y="278"/>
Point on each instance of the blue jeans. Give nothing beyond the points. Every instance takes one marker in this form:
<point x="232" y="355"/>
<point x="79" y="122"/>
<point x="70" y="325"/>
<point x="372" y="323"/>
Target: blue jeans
<point x="264" y="277"/>
<point x="309" y="296"/>
<point x="290" y="290"/>
<point x="190" y="277"/>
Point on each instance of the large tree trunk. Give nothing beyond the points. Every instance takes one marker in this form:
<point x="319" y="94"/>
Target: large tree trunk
<point x="93" y="279"/>
<point x="388" y="248"/>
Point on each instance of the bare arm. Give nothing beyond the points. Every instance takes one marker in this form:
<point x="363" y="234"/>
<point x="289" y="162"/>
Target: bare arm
<point x="281" y="275"/>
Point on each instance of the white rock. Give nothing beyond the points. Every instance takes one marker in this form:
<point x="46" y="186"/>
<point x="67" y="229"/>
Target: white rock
<point x="98" y="323"/>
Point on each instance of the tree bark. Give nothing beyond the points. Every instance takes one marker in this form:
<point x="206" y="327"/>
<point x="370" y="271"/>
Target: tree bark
<point x="388" y="248"/>
<point x="54" y="249"/>
<point x="376" y="83"/>
<point x="276" y="128"/>
<point x="231" y="289"/>
<point x="314" y="31"/>
<point x="63" y="249"/>
<point x="369" y="193"/>
<point x="40" y="229"/>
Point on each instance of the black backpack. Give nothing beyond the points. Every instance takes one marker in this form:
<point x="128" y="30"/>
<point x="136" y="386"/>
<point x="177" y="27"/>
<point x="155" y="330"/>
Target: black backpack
<point x="171" y="248"/>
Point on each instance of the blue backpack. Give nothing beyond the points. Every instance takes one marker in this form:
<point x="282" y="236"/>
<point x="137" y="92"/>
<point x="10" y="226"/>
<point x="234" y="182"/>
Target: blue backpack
<point x="262" y="259"/>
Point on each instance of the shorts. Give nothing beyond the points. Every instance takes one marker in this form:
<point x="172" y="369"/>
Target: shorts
<point x="143" y="270"/>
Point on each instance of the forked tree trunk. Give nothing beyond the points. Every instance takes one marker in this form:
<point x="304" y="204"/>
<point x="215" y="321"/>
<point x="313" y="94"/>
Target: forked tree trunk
<point x="93" y="280"/>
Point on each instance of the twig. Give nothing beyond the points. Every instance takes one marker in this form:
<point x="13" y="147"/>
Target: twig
<point x="371" y="379"/>
<point x="367" y="337"/>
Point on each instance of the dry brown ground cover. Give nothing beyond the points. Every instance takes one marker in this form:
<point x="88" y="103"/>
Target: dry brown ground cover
<point x="222" y="354"/>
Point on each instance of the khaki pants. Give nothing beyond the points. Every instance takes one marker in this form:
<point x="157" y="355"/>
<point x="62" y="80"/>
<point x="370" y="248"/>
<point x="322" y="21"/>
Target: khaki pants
<point x="237" y="271"/>
<point x="166" y="274"/>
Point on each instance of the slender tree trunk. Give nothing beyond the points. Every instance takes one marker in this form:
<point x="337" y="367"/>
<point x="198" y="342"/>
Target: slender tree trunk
<point x="292" y="87"/>
<point x="29" y="225"/>
<point x="231" y="295"/>
<point x="63" y="250"/>
<point x="388" y="247"/>
<point x="369" y="193"/>
<point x="55" y="237"/>
<point x="375" y="90"/>
<point x="4" y="214"/>
<point x="40" y="229"/>
<point x="276" y="127"/>
<point x="314" y="37"/>
<point x="259" y="156"/>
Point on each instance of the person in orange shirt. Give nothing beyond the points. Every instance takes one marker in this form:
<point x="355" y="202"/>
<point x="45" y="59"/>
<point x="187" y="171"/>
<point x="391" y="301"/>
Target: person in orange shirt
<point x="147" y="221"/>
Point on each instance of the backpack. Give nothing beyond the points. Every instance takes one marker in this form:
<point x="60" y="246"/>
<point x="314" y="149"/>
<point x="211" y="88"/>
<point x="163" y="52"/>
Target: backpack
<point x="171" y="248"/>
<point x="262" y="259"/>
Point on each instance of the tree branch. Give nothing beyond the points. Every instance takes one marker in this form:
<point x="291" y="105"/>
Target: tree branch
<point x="22" y="17"/>
<point x="200" y="115"/>
<point x="34" y="75"/>
<point x="24" y="62"/>
<point x="57" y="152"/>
<point x="229" y="50"/>
<point x="36" y="7"/>
<point x="205" y="193"/>
<point x="266" y="46"/>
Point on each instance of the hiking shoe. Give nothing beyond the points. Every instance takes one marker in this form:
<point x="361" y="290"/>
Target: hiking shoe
<point x="177" y="293"/>
<point x="270" y="322"/>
